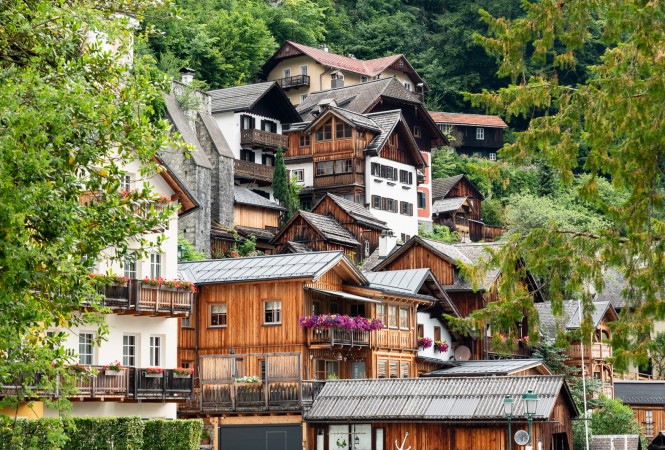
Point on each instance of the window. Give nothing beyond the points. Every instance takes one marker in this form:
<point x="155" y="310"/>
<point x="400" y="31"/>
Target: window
<point x="393" y="368"/>
<point x="129" y="350"/>
<point x="421" y="331"/>
<point x="379" y="438"/>
<point x="445" y="128"/>
<point x="348" y="197"/>
<point x="437" y="333"/>
<point x="187" y="364"/>
<point x="247" y="155"/>
<point x="480" y="134"/>
<point x="323" y="369"/>
<point x="381" y="313"/>
<point x="357" y="310"/>
<point x="376" y="169"/>
<point x="155" y="351"/>
<point x="344" y="166"/>
<point x="304" y="140"/>
<point x="85" y="348"/>
<point x="299" y="174"/>
<point x="367" y="249"/>
<point x="246" y="122"/>
<point x="405" y="177"/>
<point x="404" y="369"/>
<point x="268" y="160"/>
<point x="126" y="183"/>
<point x="389" y="205"/>
<point x="381" y="368"/>
<point x="269" y="125"/>
<point x="406" y="209"/>
<point x="218" y="315"/>
<point x="392" y="316"/>
<point x="155" y="265"/>
<point x="287" y="73"/>
<point x="389" y="173"/>
<point x="407" y="86"/>
<point x="417" y="132"/>
<point x="492" y="156"/>
<point x="422" y="200"/>
<point x="272" y="312"/>
<point x="364" y="78"/>
<point x="186" y="322"/>
<point x="342" y="131"/>
<point x="303" y="70"/>
<point x="324" y="133"/>
<point x="324" y="168"/>
<point x="129" y="266"/>
<point x="404" y="318"/>
<point x="360" y="199"/>
<point x="393" y="140"/>
<point x="303" y="97"/>
<point x="648" y="423"/>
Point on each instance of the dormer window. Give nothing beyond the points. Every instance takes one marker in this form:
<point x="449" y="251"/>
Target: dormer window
<point x="407" y="86"/>
<point x="304" y="140"/>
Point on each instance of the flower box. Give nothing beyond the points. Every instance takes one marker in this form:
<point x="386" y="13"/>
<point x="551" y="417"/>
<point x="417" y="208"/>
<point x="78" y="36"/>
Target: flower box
<point x="182" y="375"/>
<point x="112" y="373"/>
<point x="154" y="375"/>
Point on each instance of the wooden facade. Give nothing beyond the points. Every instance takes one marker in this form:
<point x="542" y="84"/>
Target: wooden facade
<point x="255" y="217"/>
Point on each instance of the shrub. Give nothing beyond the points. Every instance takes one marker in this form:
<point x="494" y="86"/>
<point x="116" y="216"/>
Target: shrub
<point x="172" y="434"/>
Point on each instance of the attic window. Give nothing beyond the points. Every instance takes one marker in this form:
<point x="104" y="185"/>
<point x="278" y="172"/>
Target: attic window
<point x="342" y="131"/>
<point x="400" y="64"/>
<point x="324" y="133"/>
<point x="417" y="131"/>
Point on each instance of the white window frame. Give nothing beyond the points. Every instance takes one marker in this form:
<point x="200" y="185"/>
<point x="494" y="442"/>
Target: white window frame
<point x="273" y="307"/>
<point x="407" y="86"/>
<point x="86" y="348"/>
<point x="287" y="73"/>
<point x="129" y="266"/>
<point x="303" y="70"/>
<point x="155" y="265"/>
<point x="417" y="132"/>
<point x="364" y="78"/>
<point x="126" y="183"/>
<point x="156" y="351"/>
<point x="299" y="174"/>
<point x="303" y="97"/>
<point x="480" y="134"/>
<point x="222" y="312"/>
<point x="492" y="156"/>
<point x="127" y="357"/>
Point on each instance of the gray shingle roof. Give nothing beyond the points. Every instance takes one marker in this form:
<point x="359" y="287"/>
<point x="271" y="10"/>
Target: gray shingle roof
<point x="432" y="399"/>
<point x="356" y="119"/>
<point x="218" y="140"/>
<point x="615" y="442"/>
<point x="358" y="212"/>
<point x="244" y="196"/>
<point x="408" y="281"/>
<point x="358" y="98"/>
<point x="485" y="367"/>
<point x="181" y="124"/>
<point x="441" y="186"/>
<point x="258" y="268"/>
<point x="614" y="283"/>
<point x="387" y="121"/>
<point x="329" y="228"/>
<point x="238" y="98"/>
<point x="260" y="233"/>
<point x="640" y="392"/>
<point x="447" y="205"/>
<point x="570" y="317"/>
<point x="298" y="247"/>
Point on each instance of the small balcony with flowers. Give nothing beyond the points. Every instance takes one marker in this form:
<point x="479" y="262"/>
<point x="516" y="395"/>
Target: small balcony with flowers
<point x="330" y="330"/>
<point x="150" y="296"/>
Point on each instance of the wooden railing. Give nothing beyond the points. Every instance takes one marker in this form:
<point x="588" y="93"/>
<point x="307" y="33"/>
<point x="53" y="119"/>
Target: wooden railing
<point x="106" y="384"/>
<point x="398" y="339"/>
<point x="293" y="82"/>
<point x="253" y="171"/>
<point x="263" y="139"/>
<point x="335" y="336"/>
<point x="597" y="351"/>
<point x="280" y="389"/>
<point x="338" y="180"/>
<point x="144" y="298"/>
<point x="167" y="385"/>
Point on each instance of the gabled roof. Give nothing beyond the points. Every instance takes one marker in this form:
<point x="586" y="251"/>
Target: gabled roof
<point x="615" y="442"/>
<point x="328" y="228"/>
<point x="219" y="142"/>
<point x="435" y="399"/>
<point x="354" y="119"/>
<point x="188" y="203"/>
<point x="640" y="392"/>
<point x="246" y="97"/>
<point x="407" y="281"/>
<point x="181" y="125"/>
<point x="262" y="268"/>
<point x="570" y="315"/>
<point x="502" y="367"/>
<point x="244" y="196"/>
<point x="442" y="186"/>
<point x="389" y="121"/>
<point x="370" y="67"/>
<point x="614" y="283"/>
<point x="296" y="247"/>
<point x="357" y="211"/>
<point x="481" y="120"/>
<point x="261" y="233"/>
<point x="448" y="205"/>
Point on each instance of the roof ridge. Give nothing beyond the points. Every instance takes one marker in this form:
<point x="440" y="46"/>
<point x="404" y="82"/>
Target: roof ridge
<point x="279" y="255"/>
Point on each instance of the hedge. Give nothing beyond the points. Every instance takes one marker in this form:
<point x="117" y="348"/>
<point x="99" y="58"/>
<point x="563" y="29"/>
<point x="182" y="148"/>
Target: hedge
<point x="99" y="433"/>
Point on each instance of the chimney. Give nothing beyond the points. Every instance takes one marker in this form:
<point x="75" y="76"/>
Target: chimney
<point x="187" y="75"/>
<point x="387" y="242"/>
<point x="324" y="47"/>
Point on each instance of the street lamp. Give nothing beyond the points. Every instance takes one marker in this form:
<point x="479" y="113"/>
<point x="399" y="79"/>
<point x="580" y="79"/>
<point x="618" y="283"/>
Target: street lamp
<point x="531" y="403"/>
<point x="508" y="409"/>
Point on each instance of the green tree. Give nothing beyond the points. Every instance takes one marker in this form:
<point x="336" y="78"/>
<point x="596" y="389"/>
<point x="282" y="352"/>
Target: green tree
<point x="189" y="253"/>
<point x="302" y="21"/>
<point x="613" y="116"/>
<point x="613" y="417"/>
<point x="657" y="354"/>
<point x="280" y="179"/>
<point x="439" y="233"/>
<point x="72" y="117"/>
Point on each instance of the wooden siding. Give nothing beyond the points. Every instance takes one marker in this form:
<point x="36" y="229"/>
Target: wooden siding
<point x="466" y="136"/>
<point x="418" y="257"/>
<point x="464" y="189"/>
<point x="249" y="216"/>
<point x="657" y="415"/>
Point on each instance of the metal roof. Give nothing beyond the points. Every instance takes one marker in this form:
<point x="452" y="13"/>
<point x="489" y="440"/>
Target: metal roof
<point x="340" y="294"/>
<point x="245" y="196"/>
<point x="432" y="399"/>
<point x="447" y="205"/>
<point x="408" y="281"/>
<point x="258" y="268"/>
<point x="615" y="442"/>
<point x="640" y="392"/>
<point x="486" y="367"/>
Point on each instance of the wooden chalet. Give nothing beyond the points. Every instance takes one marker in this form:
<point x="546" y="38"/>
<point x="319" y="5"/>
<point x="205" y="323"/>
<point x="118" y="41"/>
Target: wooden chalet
<point x="457" y="204"/>
<point x="261" y="317"/>
<point x="443" y="259"/>
<point x="438" y="413"/>
<point x="596" y="350"/>
<point x="647" y="400"/>
<point x="473" y="134"/>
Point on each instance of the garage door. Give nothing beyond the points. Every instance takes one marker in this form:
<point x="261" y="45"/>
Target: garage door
<point x="260" y="437"/>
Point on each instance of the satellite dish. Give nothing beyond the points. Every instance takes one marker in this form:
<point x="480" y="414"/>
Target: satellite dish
<point x="521" y="437"/>
<point x="462" y="353"/>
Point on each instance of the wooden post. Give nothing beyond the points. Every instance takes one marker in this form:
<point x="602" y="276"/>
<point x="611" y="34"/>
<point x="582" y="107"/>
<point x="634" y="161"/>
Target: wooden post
<point x="265" y="387"/>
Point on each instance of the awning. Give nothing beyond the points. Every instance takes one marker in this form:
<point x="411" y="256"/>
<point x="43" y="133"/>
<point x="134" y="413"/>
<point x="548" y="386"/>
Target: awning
<point x="340" y="294"/>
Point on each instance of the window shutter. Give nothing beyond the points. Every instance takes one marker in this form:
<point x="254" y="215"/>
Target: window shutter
<point x="410" y="209"/>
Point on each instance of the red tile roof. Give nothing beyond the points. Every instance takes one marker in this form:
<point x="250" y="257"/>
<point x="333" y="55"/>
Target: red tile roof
<point x="468" y="119"/>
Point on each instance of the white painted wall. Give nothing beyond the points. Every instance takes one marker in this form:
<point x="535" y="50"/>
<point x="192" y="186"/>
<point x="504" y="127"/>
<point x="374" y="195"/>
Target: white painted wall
<point x="399" y="223"/>
<point x="428" y="324"/>
<point x="116" y="409"/>
<point x="308" y="168"/>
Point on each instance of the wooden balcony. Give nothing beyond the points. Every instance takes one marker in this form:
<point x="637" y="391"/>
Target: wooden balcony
<point x="293" y="82"/>
<point x="165" y="386"/>
<point x="142" y="298"/>
<point x="334" y="336"/>
<point x="250" y="171"/>
<point x="343" y="179"/>
<point x="263" y="139"/>
<point x="596" y="351"/>
<point x="281" y="389"/>
<point x="395" y="339"/>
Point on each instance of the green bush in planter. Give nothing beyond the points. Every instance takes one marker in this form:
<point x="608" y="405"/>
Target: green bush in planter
<point x="172" y="434"/>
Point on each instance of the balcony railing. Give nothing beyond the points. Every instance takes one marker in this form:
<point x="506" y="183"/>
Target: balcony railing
<point x="597" y="351"/>
<point x="294" y="81"/>
<point x="281" y="388"/>
<point x="263" y="139"/>
<point x="144" y="298"/>
<point x="336" y="336"/>
<point x="129" y="383"/>
<point x="252" y="171"/>
<point x="390" y="338"/>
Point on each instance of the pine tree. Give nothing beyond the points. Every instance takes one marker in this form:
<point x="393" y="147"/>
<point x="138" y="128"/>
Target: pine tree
<point x="280" y="179"/>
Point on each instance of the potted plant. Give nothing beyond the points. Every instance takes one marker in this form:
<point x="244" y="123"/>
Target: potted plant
<point x="333" y="376"/>
<point x="205" y="436"/>
<point x="182" y="372"/>
<point x="248" y="380"/>
<point x="113" y="369"/>
<point x="440" y="346"/>
<point x="341" y="443"/>
<point x="425" y="342"/>
<point x="154" y="372"/>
